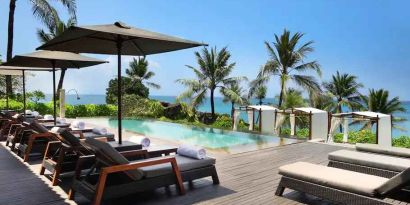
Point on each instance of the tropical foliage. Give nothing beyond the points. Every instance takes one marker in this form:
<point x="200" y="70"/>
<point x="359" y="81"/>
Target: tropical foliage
<point x="213" y="72"/>
<point x="378" y="101"/>
<point x="128" y="88"/>
<point x="257" y="90"/>
<point x="234" y="93"/>
<point x="287" y="61"/>
<point x="344" y="89"/>
<point x="45" y="12"/>
<point x="294" y="99"/>
<point x="139" y="73"/>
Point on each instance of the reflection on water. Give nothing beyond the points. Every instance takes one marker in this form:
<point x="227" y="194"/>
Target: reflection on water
<point x="216" y="139"/>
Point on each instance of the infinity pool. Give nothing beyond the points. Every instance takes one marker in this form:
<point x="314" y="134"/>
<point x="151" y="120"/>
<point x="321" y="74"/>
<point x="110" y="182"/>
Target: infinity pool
<point x="216" y="139"/>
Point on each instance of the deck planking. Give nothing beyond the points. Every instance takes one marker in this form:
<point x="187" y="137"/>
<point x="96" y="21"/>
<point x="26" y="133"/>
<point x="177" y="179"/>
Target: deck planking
<point x="246" y="178"/>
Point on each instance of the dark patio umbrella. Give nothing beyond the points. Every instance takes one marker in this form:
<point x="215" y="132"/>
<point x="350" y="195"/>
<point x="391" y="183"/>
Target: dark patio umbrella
<point x="14" y="73"/>
<point x="51" y="61"/>
<point x="116" y="39"/>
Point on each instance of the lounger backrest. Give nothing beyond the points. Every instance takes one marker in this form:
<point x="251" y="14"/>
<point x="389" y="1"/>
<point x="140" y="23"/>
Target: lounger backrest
<point x="395" y="183"/>
<point x="69" y="138"/>
<point x="374" y="148"/>
<point x="112" y="157"/>
<point x="38" y="127"/>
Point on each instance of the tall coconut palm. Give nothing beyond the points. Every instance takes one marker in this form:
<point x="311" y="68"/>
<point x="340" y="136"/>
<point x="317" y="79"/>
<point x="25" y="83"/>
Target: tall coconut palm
<point x="288" y="58"/>
<point x="234" y="93"/>
<point x="138" y="72"/>
<point x="212" y="72"/>
<point x="53" y="31"/>
<point x="344" y="88"/>
<point x="43" y="10"/>
<point x="378" y="101"/>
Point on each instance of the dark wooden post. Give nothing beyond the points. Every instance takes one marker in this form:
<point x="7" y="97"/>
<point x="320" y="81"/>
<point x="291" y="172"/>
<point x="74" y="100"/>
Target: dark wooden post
<point x="310" y="125"/>
<point x="329" y="121"/>
<point x="232" y="116"/>
<point x="260" y="119"/>
<point x="253" y="119"/>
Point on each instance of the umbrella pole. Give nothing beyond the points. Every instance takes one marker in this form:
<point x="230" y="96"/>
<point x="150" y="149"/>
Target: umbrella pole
<point x="7" y="100"/>
<point x="24" y="93"/>
<point x="54" y="92"/>
<point x="119" y="89"/>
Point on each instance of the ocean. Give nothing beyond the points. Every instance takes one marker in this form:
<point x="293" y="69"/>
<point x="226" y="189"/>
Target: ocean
<point x="220" y="107"/>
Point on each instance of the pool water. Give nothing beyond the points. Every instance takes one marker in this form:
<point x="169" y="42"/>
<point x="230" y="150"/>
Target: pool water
<point x="216" y="139"/>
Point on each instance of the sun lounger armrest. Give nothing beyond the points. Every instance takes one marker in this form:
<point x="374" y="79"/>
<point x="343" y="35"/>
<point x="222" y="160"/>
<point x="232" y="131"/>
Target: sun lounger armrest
<point x="51" y="148"/>
<point x="82" y="160"/>
<point x="139" y="164"/>
<point x="135" y="153"/>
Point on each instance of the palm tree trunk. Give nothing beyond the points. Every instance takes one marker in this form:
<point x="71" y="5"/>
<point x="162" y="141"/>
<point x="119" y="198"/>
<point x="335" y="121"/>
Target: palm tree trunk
<point x="282" y="88"/>
<point x="232" y="109"/>
<point x="212" y="104"/>
<point x="339" y="110"/>
<point x="60" y="82"/>
<point x="260" y="101"/>
<point x="9" y="86"/>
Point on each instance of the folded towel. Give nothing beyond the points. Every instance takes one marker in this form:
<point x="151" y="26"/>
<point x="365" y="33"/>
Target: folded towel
<point x="191" y="151"/>
<point x="35" y="113"/>
<point x="28" y="112"/>
<point x="78" y="124"/>
<point x="61" y="120"/>
<point x="140" y="139"/>
<point x="48" y="117"/>
<point x="55" y="130"/>
<point x="100" y="130"/>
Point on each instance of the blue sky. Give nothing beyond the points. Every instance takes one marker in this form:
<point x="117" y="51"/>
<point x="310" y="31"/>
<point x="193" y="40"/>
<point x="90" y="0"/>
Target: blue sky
<point x="369" y="39"/>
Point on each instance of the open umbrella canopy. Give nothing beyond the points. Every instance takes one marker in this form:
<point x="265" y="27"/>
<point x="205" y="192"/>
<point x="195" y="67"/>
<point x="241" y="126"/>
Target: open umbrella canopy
<point x="50" y="61"/>
<point x="43" y="60"/>
<point x="116" y="39"/>
<point x="104" y="39"/>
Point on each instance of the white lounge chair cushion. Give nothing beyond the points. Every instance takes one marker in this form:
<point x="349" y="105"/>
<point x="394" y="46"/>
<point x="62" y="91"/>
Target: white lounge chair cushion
<point x="184" y="164"/>
<point x="394" y="151"/>
<point x="340" y="179"/>
<point x="371" y="160"/>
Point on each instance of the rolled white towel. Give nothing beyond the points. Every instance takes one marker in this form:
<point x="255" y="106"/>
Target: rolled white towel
<point x="100" y="130"/>
<point x="78" y="124"/>
<point x="192" y="151"/>
<point x="29" y="112"/>
<point x="61" y="120"/>
<point x="35" y="113"/>
<point x="142" y="140"/>
<point x="55" y="130"/>
<point x="48" y="117"/>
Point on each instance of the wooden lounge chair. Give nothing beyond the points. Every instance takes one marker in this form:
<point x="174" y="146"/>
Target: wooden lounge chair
<point x="368" y="163"/>
<point x="114" y="176"/>
<point x="338" y="185"/>
<point x="61" y="156"/>
<point x="35" y="143"/>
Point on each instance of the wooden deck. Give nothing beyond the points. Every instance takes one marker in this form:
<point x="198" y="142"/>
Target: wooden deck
<point x="246" y="178"/>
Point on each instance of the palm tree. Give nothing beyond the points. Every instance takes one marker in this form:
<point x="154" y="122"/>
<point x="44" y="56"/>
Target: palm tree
<point x="43" y="10"/>
<point x="234" y="94"/>
<point x="345" y="89"/>
<point x="213" y="72"/>
<point x="138" y="72"/>
<point x="288" y="57"/>
<point x="53" y="31"/>
<point x="293" y="99"/>
<point x="257" y="90"/>
<point x="378" y="101"/>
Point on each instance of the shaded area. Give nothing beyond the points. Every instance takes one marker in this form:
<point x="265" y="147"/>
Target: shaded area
<point x="19" y="185"/>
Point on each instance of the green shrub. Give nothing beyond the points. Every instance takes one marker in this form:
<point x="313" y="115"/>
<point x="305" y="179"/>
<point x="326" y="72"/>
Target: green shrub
<point x="402" y="141"/>
<point x="225" y="122"/>
<point x="362" y="136"/>
<point x="136" y="107"/>
<point x="300" y="133"/>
